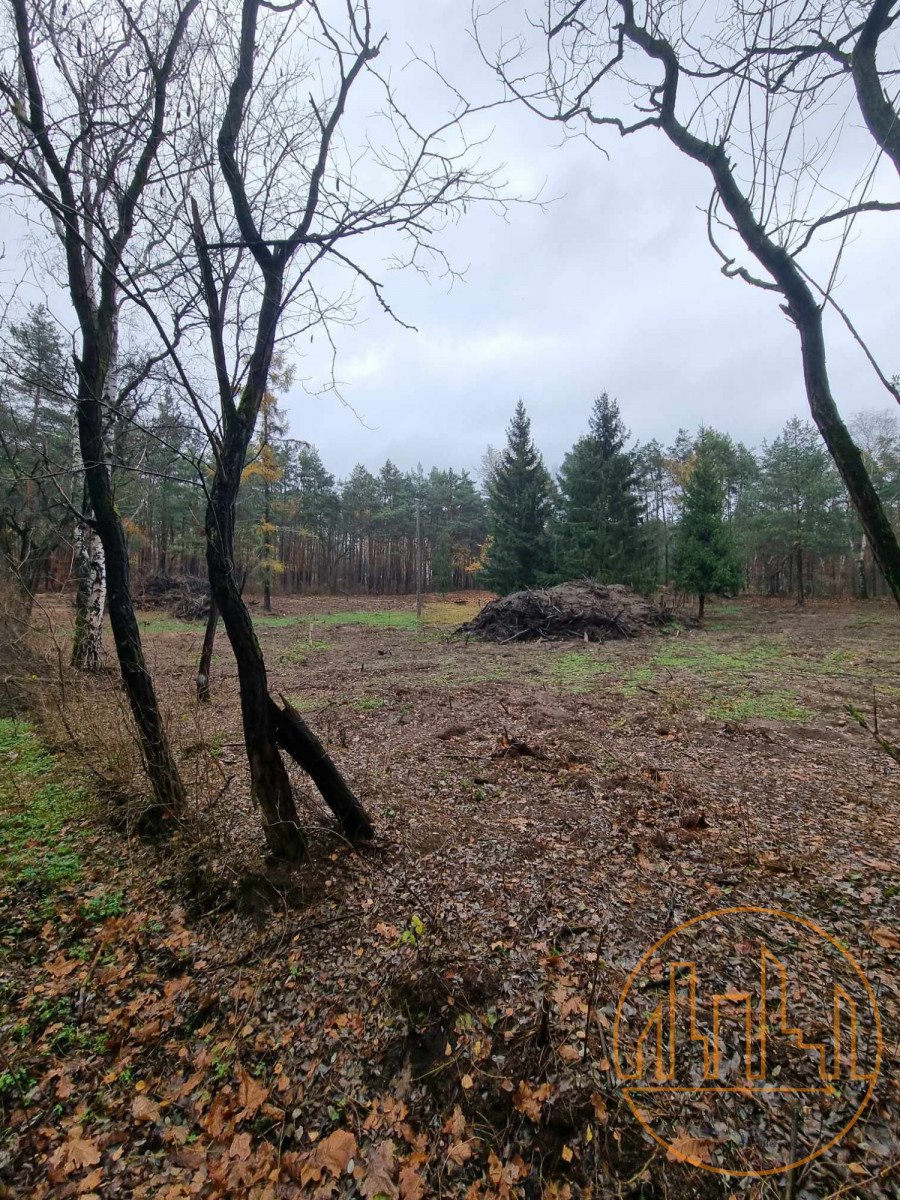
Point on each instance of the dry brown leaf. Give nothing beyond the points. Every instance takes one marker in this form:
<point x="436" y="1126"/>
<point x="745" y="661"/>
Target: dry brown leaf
<point x="886" y="937"/>
<point x="144" y="1109"/>
<point x="412" y="1185"/>
<point x="240" y="1147"/>
<point x="685" y="1148"/>
<point x="529" y="1100"/>
<point x="459" y="1153"/>
<point x="63" y="966"/>
<point x="251" y="1095"/>
<point x="335" y="1151"/>
<point x="380" y="1169"/>
<point x="456" y="1123"/>
<point x="76" y="1153"/>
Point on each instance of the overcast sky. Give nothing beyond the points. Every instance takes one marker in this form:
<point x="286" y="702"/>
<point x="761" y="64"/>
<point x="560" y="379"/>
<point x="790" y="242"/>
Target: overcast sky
<point x="614" y="287"/>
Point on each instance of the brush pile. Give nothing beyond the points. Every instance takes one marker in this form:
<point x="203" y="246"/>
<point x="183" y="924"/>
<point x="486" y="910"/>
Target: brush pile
<point x="591" y="612"/>
<point x="183" y="596"/>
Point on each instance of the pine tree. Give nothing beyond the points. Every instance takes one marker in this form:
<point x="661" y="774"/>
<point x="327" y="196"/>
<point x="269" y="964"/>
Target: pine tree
<point x="519" y="501"/>
<point x="706" y="558"/>
<point x="601" y="535"/>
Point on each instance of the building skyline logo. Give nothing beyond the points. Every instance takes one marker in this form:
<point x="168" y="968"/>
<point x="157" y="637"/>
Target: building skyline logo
<point x="684" y="1044"/>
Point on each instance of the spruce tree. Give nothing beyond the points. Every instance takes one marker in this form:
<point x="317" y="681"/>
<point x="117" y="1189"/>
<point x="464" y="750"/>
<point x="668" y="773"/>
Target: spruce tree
<point x="706" y="557"/>
<point x="519" y="495"/>
<point x="601" y="535"/>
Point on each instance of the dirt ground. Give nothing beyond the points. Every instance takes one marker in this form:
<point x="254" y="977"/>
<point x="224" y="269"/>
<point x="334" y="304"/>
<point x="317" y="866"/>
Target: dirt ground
<point x="435" y="1016"/>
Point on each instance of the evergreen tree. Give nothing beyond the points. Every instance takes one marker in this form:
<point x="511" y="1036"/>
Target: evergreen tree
<point x="802" y="510"/>
<point x="706" y="557"/>
<point x="35" y="447"/>
<point x="519" y="503"/>
<point x="601" y="535"/>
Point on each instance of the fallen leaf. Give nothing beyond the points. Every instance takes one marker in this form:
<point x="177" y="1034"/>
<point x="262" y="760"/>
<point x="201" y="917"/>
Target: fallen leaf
<point x="380" y="1169"/>
<point x="529" y="1100"/>
<point x="459" y="1153"/>
<point x="144" y="1109"/>
<point x="335" y="1151"/>
<point x="252" y="1095"/>
<point x="886" y="937"/>
<point x="691" y="1150"/>
<point x="412" y="1186"/>
<point x="240" y="1147"/>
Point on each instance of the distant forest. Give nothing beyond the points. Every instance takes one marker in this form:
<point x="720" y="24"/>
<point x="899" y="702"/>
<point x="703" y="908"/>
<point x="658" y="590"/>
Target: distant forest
<point x="613" y="512"/>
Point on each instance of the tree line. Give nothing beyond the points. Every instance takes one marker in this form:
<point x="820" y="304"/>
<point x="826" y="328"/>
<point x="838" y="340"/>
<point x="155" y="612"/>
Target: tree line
<point x="706" y="514"/>
<point x="777" y="520"/>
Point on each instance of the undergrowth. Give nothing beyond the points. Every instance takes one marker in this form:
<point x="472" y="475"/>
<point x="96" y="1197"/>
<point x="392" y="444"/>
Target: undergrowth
<point x="38" y="802"/>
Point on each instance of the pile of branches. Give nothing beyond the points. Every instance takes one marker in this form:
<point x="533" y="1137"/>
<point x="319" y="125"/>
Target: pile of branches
<point x="591" y="612"/>
<point x="182" y="596"/>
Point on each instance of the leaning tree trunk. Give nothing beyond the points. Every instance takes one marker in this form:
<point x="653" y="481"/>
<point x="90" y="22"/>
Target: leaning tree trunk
<point x="96" y="381"/>
<point x="269" y="783"/>
<point x="266" y="726"/>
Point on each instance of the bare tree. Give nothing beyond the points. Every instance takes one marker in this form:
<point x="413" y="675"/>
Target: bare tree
<point x="298" y="199"/>
<point x="750" y="94"/>
<point x="88" y="95"/>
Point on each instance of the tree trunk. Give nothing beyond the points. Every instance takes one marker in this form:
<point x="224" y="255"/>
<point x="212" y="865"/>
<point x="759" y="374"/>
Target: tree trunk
<point x="296" y="737"/>
<point x="269" y="783"/>
<point x="90" y="599"/>
<point x="205" y="664"/>
<point x="801" y="307"/>
<point x="702" y="607"/>
<point x="800" y="590"/>
<point x="95" y="391"/>
<point x="862" y="582"/>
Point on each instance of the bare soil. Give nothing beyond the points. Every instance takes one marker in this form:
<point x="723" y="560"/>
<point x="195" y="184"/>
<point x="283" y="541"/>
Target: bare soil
<point x="434" y="1016"/>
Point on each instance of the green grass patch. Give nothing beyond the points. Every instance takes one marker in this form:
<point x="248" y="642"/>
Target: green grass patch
<point x="642" y="677"/>
<point x="576" y="671"/>
<point x="368" y="703"/>
<point x="769" y="706"/>
<point x="702" y="659"/>
<point x="36" y="804"/>
<point x="295" y="654"/>
<point x="387" y="619"/>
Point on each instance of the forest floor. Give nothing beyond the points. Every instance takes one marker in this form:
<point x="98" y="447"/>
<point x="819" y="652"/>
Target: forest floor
<point x="436" y="1015"/>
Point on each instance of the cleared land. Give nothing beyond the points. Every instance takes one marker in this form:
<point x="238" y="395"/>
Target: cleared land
<point x="432" y="1017"/>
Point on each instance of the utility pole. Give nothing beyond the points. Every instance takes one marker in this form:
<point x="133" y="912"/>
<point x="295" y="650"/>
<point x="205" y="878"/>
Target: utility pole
<point x="419" y="558"/>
